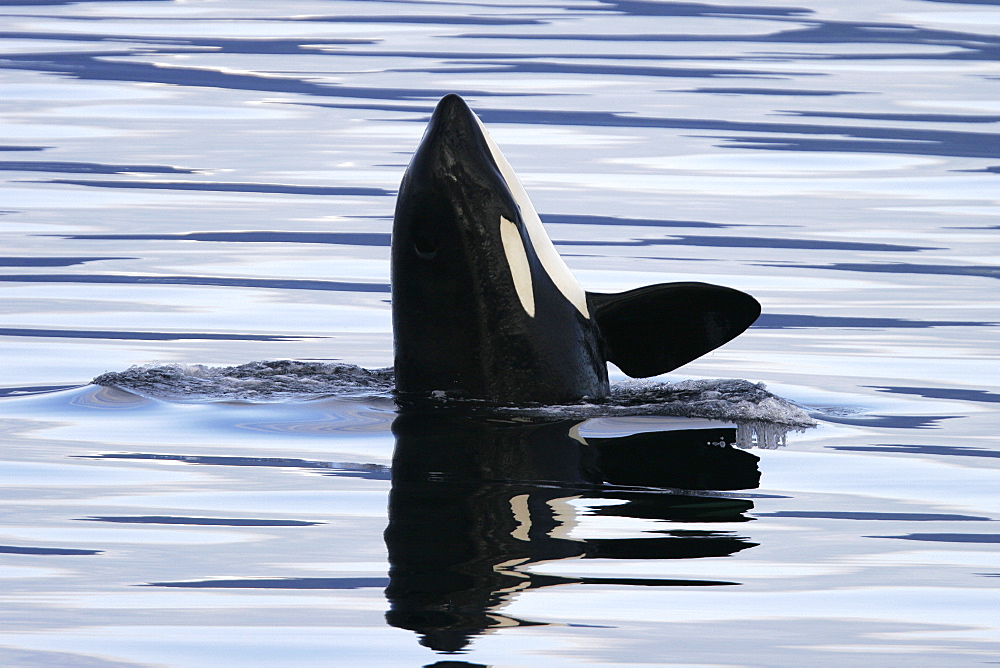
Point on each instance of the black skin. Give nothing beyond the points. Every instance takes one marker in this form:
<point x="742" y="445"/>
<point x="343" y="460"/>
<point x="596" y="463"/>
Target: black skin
<point x="458" y="324"/>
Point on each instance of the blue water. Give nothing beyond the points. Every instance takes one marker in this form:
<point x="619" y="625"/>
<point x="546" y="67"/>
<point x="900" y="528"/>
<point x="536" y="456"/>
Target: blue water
<point x="191" y="185"/>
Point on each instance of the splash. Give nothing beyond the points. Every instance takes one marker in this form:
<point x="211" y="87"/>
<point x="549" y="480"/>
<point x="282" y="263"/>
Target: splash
<point x="749" y="404"/>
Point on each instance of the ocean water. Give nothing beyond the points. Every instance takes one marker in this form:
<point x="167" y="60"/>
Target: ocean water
<point x="196" y="206"/>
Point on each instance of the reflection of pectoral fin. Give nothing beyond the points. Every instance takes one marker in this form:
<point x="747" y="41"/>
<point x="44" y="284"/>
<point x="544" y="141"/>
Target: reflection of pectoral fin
<point x="682" y="459"/>
<point x="678" y="508"/>
<point x="670" y="547"/>
<point x="655" y="329"/>
<point x="539" y="580"/>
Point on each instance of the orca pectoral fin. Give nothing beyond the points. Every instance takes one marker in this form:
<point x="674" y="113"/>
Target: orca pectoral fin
<point x="655" y="329"/>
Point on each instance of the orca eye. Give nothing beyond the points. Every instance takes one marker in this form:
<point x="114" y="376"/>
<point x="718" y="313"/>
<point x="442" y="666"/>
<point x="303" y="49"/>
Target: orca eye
<point x="425" y="243"/>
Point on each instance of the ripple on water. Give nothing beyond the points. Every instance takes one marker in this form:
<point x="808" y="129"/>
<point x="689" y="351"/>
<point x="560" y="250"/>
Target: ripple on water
<point x="287" y="380"/>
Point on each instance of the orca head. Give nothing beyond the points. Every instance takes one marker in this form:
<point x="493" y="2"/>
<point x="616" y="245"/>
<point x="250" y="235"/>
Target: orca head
<point x="483" y="306"/>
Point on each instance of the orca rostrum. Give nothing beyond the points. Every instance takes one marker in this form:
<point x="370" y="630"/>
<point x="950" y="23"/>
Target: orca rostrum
<point x="483" y="306"/>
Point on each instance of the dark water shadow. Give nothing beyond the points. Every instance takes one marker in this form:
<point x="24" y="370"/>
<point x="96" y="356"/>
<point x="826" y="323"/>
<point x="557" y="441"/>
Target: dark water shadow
<point x="880" y="517"/>
<point x="342" y="469"/>
<point x="53" y="261"/>
<point x="215" y="186"/>
<point x="26" y="390"/>
<point x="591" y="219"/>
<point x="886" y="421"/>
<point x="278" y="583"/>
<point x="767" y="91"/>
<point x="896" y="117"/>
<point x="943" y="393"/>
<point x="201" y="521"/>
<point x="475" y="501"/>
<point x="87" y="167"/>
<point x="695" y="9"/>
<point x="530" y="67"/>
<point x="119" y="279"/>
<point x="45" y="551"/>
<point x="53" y="3"/>
<point x="983" y="538"/>
<point x="982" y="271"/>
<point x="141" y="336"/>
<point x="795" y="321"/>
<point x="933" y="450"/>
<point x="752" y="242"/>
<point x="261" y="236"/>
<point x="440" y="19"/>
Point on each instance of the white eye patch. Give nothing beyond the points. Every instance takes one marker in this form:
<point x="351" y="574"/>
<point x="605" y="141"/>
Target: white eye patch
<point x="517" y="260"/>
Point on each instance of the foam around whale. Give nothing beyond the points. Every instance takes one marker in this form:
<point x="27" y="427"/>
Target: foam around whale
<point x="287" y="380"/>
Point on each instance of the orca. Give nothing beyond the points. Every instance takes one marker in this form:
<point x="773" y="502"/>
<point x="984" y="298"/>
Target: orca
<point x="483" y="306"/>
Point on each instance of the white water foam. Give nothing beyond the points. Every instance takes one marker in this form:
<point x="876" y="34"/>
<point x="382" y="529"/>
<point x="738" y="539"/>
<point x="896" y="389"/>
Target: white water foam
<point x="285" y="380"/>
<point x="282" y="380"/>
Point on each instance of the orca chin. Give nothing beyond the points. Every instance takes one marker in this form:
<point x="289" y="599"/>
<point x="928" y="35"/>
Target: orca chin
<point x="483" y="306"/>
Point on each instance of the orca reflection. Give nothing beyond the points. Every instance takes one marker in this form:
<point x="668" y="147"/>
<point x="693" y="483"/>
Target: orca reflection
<point x="475" y="500"/>
<point x="484" y="307"/>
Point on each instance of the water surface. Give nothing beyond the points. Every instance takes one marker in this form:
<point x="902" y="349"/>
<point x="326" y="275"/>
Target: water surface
<point x="212" y="183"/>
